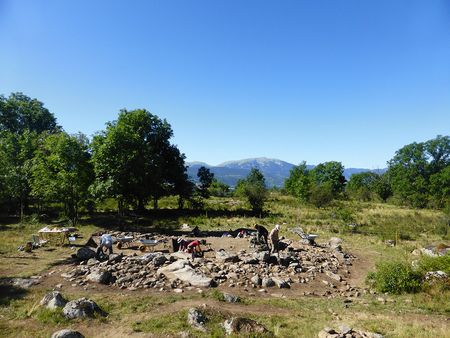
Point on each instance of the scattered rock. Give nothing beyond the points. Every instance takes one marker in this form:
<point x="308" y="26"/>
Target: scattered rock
<point x="256" y="280"/>
<point x="53" y="300"/>
<point x="24" y="283"/>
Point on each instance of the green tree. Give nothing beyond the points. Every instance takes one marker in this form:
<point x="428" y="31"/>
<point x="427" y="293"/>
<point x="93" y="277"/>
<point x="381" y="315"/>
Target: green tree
<point x="206" y="178"/>
<point x="254" y="189"/>
<point x="321" y="195"/>
<point x="132" y="159"/>
<point x="62" y="172"/>
<point x="362" y="185"/>
<point x="382" y="187"/>
<point x="19" y="112"/>
<point x="298" y="183"/>
<point x="17" y="151"/>
<point x="330" y="173"/>
<point x="219" y="189"/>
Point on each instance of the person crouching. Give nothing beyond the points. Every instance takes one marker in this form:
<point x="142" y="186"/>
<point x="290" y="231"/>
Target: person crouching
<point x="105" y="242"/>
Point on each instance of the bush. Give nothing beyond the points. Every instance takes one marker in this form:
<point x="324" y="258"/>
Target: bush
<point x="439" y="263"/>
<point x="321" y="195"/>
<point x="395" y="277"/>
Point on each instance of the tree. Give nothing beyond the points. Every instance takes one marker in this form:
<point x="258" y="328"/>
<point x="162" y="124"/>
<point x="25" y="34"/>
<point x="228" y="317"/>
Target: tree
<point x="62" y="171"/>
<point x="382" y="187"/>
<point x="132" y="159"/>
<point x="206" y="178"/>
<point x="362" y="185"/>
<point x="330" y="173"/>
<point x="254" y="189"/>
<point x="18" y="151"/>
<point x="298" y="183"/>
<point x="219" y="189"/>
<point x="412" y="167"/>
<point x="321" y="195"/>
<point x="19" y="112"/>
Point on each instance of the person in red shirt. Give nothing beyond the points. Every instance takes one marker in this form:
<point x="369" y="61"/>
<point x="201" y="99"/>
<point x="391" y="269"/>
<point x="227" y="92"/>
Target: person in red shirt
<point x="194" y="248"/>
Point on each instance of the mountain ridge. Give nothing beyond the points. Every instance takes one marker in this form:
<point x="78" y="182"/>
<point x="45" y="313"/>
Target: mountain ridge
<point x="275" y="171"/>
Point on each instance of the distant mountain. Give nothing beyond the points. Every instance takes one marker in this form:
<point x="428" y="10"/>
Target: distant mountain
<point x="275" y="171"/>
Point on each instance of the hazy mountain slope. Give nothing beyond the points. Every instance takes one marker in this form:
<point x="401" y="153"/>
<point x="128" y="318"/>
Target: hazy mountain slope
<point x="275" y="171"/>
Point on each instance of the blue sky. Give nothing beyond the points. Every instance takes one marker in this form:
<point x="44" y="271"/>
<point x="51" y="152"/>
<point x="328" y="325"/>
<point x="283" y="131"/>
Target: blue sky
<point x="351" y="81"/>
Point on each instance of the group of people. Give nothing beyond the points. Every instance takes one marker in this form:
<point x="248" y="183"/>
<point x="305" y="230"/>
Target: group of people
<point x="193" y="246"/>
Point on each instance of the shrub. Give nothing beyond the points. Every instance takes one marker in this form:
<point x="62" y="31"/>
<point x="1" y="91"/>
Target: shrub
<point x="438" y="263"/>
<point x="395" y="277"/>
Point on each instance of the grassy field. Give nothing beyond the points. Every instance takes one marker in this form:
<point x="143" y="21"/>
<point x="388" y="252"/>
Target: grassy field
<point x="149" y="313"/>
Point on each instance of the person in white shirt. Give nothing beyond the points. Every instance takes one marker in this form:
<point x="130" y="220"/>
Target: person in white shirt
<point x="105" y="242"/>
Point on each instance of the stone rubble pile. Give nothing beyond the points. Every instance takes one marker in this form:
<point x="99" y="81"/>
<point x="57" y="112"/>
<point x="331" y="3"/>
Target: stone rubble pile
<point x="301" y="264"/>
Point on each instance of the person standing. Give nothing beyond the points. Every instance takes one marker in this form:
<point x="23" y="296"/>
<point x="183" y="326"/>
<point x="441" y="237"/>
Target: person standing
<point x="261" y="234"/>
<point x="275" y="238"/>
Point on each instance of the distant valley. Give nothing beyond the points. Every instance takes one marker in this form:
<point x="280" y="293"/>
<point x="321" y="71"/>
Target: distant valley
<point x="275" y="171"/>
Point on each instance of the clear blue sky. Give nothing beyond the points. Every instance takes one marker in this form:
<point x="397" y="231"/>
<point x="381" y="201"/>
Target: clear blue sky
<point x="351" y="81"/>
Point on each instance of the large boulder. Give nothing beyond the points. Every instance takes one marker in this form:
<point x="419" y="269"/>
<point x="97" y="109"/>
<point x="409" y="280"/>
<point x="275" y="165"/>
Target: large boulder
<point x="183" y="271"/>
<point x="66" y="333"/>
<point x="99" y="276"/>
<point x="84" y="254"/>
<point x="244" y="326"/>
<point x="53" y="300"/>
<point x="82" y="308"/>
<point x="225" y="257"/>
<point x="196" y="319"/>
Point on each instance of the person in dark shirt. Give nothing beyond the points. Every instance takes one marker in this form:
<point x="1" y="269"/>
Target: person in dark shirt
<point x="261" y="234"/>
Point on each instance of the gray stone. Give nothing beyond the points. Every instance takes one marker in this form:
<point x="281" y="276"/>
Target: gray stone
<point x="282" y="284"/>
<point x="344" y="329"/>
<point x="81" y="308"/>
<point x="159" y="260"/>
<point x="229" y="298"/>
<point x="53" y="300"/>
<point x="84" y="253"/>
<point x="241" y="325"/>
<point x="256" y="280"/>
<point x="66" y="333"/>
<point x="24" y="283"/>
<point x="267" y="282"/>
<point x="99" y="276"/>
<point x="196" y="319"/>
<point x="334" y="276"/>
<point x="262" y="256"/>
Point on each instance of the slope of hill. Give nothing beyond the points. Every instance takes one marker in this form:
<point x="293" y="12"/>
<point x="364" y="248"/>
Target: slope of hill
<point x="275" y="171"/>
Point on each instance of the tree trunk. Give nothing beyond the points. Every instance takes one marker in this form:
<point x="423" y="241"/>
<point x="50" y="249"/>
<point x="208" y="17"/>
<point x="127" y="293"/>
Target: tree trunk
<point x="155" y="201"/>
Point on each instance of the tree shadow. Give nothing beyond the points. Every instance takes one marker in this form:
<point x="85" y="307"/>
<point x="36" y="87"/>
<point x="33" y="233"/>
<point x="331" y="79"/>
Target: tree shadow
<point x="10" y="292"/>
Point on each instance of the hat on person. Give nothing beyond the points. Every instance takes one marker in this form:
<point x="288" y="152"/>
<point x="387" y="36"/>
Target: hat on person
<point x="277" y="226"/>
